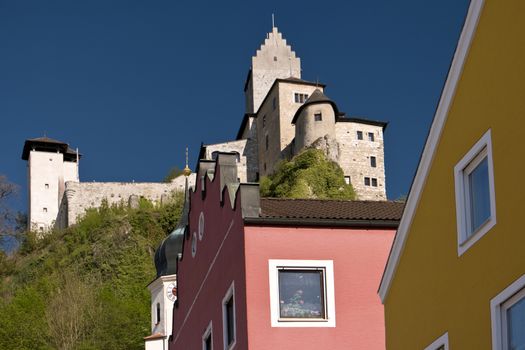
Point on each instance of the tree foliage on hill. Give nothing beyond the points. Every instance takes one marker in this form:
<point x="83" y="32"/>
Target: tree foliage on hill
<point x="172" y="174"/>
<point x="308" y="175"/>
<point x="85" y="287"/>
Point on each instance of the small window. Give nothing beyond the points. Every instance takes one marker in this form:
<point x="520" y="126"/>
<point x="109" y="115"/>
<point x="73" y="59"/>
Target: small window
<point x="367" y="181"/>
<point x="370" y="136"/>
<point x="374" y="182"/>
<point x="300" y="98"/>
<point x="158" y="313"/>
<point x="475" y="199"/>
<point x="507" y="310"/>
<point x="264" y="121"/>
<point x="228" y="318"/>
<point x="207" y="338"/>
<point x="359" y="135"/>
<point x="46" y="186"/>
<point x="373" y="162"/>
<point x="264" y="166"/>
<point x="266" y="141"/>
<point x="301" y="293"/>
<point x="439" y="344"/>
<point x="275" y="58"/>
<point x="45" y="210"/>
<point x="347" y="180"/>
<point x="274" y="103"/>
<point x="214" y="155"/>
<point x="318" y="117"/>
<point x="194" y="244"/>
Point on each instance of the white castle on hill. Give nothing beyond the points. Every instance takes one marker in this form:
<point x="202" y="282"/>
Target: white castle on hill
<point x="284" y="115"/>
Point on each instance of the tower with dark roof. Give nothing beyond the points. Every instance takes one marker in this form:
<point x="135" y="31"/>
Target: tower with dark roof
<point x="50" y="163"/>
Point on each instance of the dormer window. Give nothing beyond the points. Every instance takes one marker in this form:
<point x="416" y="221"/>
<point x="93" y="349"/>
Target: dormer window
<point x="318" y="117"/>
<point x="300" y="98"/>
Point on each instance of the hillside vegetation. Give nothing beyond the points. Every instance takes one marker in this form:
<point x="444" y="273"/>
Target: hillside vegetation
<point x="308" y="175"/>
<point x="85" y="287"/>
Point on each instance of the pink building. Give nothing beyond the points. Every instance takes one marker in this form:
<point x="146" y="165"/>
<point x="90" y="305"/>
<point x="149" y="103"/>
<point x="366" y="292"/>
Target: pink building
<point x="276" y="273"/>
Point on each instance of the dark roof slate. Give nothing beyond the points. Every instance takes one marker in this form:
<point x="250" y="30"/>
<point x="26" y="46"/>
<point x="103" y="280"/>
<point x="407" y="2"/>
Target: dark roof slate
<point x="330" y="209"/>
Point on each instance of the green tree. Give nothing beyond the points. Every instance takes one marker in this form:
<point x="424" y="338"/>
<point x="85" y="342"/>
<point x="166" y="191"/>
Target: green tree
<point x="173" y="173"/>
<point x="308" y="175"/>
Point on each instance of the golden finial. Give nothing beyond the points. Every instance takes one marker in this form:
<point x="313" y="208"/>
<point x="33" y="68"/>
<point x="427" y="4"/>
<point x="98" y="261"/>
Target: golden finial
<point x="187" y="170"/>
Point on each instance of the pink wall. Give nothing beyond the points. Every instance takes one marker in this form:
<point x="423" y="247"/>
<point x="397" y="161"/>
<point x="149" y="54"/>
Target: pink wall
<point x="359" y="257"/>
<point x="211" y="271"/>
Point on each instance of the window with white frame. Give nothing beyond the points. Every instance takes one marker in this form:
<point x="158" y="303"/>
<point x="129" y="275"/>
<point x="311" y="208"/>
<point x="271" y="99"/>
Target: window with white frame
<point x="440" y="343"/>
<point x="228" y="318"/>
<point x="207" y="338"/>
<point x="508" y="317"/>
<point x="302" y="293"/>
<point x="475" y="196"/>
<point x="367" y="181"/>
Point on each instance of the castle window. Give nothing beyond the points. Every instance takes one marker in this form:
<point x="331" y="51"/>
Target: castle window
<point x="275" y="58"/>
<point x="374" y="182"/>
<point x="300" y="98"/>
<point x="318" y="117"/>
<point x="46" y="186"/>
<point x="264" y="121"/>
<point x="45" y="210"/>
<point x="373" y="162"/>
<point x="266" y="141"/>
<point x="367" y="181"/>
<point x="158" y="313"/>
<point x="370" y="136"/>
<point x="274" y="103"/>
<point x="347" y="180"/>
<point x="359" y="135"/>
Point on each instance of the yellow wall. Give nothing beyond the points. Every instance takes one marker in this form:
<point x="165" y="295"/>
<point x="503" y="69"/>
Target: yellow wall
<point x="434" y="290"/>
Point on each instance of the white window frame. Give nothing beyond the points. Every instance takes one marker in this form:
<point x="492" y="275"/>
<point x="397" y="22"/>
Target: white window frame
<point x="207" y="333"/>
<point x="498" y="307"/>
<point x="275" y="265"/>
<point x="441" y="341"/>
<point x="482" y="149"/>
<point x="229" y="294"/>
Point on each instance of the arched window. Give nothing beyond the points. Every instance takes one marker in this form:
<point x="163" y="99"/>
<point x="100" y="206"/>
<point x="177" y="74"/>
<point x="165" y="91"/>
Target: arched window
<point x="158" y="313"/>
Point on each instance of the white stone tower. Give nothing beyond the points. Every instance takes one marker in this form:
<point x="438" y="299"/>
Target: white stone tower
<point x="50" y="163"/>
<point x="274" y="60"/>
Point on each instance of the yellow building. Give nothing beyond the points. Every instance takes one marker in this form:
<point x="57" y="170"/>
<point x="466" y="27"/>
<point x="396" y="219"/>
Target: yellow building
<point x="455" y="277"/>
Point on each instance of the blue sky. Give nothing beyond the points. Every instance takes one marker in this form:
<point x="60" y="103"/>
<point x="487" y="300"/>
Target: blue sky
<point x="132" y="83"/>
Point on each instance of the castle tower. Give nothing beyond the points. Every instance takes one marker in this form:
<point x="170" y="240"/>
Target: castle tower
<point x="314" y="119"/>
<point x="274" y="59"/>
<point x="50" y="163"/>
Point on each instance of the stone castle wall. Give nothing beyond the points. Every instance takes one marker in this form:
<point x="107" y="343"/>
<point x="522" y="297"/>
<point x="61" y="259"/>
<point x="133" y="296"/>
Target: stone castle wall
<point x="80" y="196"/>
<point x="354" y="158"/>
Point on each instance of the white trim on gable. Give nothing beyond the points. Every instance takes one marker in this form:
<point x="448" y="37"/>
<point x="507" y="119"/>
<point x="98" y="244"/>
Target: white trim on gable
<point x="449" y="90"/>
<point x="441" y="342"/>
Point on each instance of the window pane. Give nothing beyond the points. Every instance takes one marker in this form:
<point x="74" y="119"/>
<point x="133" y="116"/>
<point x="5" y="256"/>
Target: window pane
<point x="207" y="343"/>
<point x="479" y="195"/>
<point x="516" y="326"/>
<point x="230" y="321"/>
<point x="301" y="294"/>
